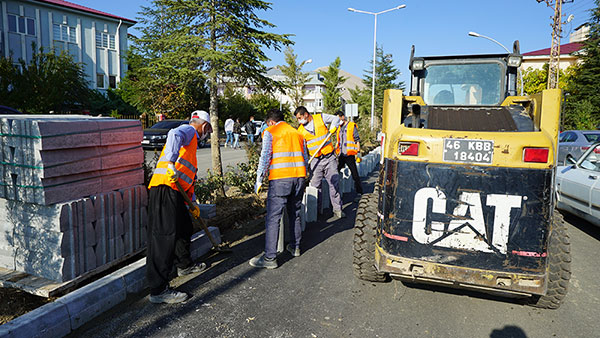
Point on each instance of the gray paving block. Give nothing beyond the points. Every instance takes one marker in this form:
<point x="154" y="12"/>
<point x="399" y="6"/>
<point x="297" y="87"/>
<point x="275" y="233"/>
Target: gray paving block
<point x="126" y="178"/>
<point x="93" y="299"/>
<point x="324" y="196"/>
<point x="134" y="276"/>
<point x="7" y="257"/>
<point x="90" y="259"/>
<point x="49" y="320"/>
<point x="43" y="264"/>
<point x="121" y="131"/>
<point x="119" y="247"/>
<point x="123" y="155"/>
<point x="312" y="194"/>
<point x="200" y="244"/>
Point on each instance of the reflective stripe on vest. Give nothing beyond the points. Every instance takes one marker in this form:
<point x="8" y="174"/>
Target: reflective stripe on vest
<point x="288" y="152"/>
<point x="350" y="145"/>
<point x="185" y="168"/>
<point x="313" y="142"/>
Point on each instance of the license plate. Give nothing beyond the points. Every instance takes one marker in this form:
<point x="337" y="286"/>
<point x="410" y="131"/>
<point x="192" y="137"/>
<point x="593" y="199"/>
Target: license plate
<point x="468" y="151"/>
<point x="145" y="141"/>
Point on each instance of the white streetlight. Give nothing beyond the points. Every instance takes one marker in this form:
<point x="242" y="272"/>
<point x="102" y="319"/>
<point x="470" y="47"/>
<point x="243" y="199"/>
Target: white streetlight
<point x="477" y="35"/>
<point x="374" y="55"/>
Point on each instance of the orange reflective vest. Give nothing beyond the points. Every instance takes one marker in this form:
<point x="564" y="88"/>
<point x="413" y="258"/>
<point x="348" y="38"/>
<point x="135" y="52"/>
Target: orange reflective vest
<point x="313" y="142"/>
<point x="185" y="168"/>
<point x="350" y="144"/>
<point x="288" y="152"/>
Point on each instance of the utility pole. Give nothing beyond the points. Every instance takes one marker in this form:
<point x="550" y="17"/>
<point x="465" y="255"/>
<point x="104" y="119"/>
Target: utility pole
<point x="554" y="63"/>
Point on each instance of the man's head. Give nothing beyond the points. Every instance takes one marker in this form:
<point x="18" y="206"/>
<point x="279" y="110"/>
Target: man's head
<point x="302" y="115"/>
<point x="251" y="118"/>
<point x="200" y="120"/>
<point x="273" y="117"/>
<point x="341" y="115"/>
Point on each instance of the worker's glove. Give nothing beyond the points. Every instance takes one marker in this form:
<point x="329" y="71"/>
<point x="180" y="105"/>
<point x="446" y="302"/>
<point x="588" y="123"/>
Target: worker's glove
<point x="171" y="173"/>
<point x="257" y="187"/>
<point x="194" y="210"/>
<point x="332" y="130"/>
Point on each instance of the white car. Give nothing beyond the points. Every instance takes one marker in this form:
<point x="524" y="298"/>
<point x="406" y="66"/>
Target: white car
<point x="257" y="125"/>
<point x="578" y="185"/>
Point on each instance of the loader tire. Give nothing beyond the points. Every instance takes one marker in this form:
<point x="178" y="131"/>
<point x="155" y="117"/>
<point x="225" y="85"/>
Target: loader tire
<point x="365" y="229"/>
<point x="559" y="266"/>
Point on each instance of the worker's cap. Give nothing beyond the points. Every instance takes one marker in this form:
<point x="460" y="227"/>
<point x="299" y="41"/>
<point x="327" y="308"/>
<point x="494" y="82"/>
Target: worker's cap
<point x="200" y="114"/>
<point x="339" y="113"/>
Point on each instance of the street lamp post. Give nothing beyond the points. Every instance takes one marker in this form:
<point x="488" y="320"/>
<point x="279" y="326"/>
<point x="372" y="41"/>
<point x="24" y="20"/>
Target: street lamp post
<point x="374" y="55"/>
<point x="477" y="35"/>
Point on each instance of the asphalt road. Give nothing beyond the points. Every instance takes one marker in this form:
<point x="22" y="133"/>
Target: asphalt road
<point x="229" y="157"/>
<point x="316" y="295"/>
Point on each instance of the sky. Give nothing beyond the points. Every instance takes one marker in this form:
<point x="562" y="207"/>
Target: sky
<point x="325" y="29"/>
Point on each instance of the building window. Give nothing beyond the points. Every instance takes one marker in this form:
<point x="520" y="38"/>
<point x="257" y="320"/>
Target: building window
<point x="21" y="24"/>
<point x="65" y="33"/>
<point x="319" y="103"/>
<point x="105" y="40"/>
<point x="112" y="81"/>
<point x="100" y="80"/>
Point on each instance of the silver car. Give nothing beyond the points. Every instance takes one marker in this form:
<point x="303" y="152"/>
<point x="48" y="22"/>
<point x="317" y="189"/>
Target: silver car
<point x="578" y="185"/>
<point x="575" y="142"/>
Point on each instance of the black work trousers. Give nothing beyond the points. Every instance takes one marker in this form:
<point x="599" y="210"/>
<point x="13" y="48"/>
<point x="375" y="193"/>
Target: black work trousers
<point x="169" y="233"/>
<point x="350" y="161"/>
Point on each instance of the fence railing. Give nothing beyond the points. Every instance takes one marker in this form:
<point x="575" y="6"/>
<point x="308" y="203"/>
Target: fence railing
<point x="147" y="120"/>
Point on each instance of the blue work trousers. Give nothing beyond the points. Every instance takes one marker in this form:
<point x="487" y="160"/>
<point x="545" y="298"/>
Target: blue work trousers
<point x="283" y="193"/>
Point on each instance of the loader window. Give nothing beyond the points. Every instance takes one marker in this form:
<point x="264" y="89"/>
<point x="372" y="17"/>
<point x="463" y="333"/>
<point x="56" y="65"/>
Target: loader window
<point x="463" y="84"/>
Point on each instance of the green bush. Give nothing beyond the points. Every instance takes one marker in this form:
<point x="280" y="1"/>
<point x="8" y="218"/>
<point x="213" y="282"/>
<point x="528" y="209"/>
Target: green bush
<point x="243" y="176"/>
<point x="207" y="187"/>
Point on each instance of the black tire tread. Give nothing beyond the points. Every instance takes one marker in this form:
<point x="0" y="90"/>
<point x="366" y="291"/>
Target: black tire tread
<point x="559" y="265"/>
<point x="365" y="230"/>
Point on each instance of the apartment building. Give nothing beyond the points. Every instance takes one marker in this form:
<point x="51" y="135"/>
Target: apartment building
<point x="96" y="39"/>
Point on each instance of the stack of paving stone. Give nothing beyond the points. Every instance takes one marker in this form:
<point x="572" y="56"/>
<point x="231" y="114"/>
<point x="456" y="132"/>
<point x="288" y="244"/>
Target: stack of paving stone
<point x="72" y="197"/>
<point x="208" y="210"/>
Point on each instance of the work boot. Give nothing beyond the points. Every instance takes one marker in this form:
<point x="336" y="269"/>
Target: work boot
<point x="263" y="262"/>
<point x="194" y="268"/>
<point x="169" y="296"/>
<point x="294" y="251"/>
<point x="337" y="215"/>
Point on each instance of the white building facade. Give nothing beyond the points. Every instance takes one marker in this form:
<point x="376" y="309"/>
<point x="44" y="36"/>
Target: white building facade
<point x="93" y="38"/>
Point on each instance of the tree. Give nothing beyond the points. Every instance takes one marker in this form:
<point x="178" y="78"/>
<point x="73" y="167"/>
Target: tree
<point x="586" y="83"/>
<point x="386" y="76"/>
<point x="536" y="80"/>
<point x="215" y="40"/>
<point x="295" y="78"/>
<point x="49" y="82"/>
<point x="264" y="102"/>
<point x="333" y="81"/>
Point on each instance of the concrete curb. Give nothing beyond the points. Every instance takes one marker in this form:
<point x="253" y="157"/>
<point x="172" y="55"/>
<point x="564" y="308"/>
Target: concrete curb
<point x="61" y="317"/>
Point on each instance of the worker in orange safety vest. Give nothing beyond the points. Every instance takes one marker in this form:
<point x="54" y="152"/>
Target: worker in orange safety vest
<point x="169" y="223"/>
<point x="285" y="156"/>
<point x="348" y="147"/>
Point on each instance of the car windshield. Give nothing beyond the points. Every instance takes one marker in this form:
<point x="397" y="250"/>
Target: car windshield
<point x="463" y="84"/>
<point x="592" y="137"/>
<point x="592" y="160"/>
<point x="167" y="124"/>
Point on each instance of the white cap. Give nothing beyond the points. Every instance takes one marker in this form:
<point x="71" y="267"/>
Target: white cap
<point x="201" y="114"/>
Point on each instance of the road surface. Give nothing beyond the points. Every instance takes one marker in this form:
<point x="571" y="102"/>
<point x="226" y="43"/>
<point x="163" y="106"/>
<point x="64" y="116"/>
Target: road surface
<point x="316" y="295"/>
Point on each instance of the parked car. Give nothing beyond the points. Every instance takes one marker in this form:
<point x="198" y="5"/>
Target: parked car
<point x="257" y="125"/>
<point x="4" y="110"/>
<point x="155" y="137"/>
<point x="575" y="142"/>
<point x="578" y="185"/>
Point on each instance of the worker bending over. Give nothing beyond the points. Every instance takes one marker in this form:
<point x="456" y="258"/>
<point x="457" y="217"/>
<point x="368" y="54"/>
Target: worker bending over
<point x="347" y="147"/>
<point x="285" y="157"/>
<point x="169" y="223"/>
<point x="324" y="165"/>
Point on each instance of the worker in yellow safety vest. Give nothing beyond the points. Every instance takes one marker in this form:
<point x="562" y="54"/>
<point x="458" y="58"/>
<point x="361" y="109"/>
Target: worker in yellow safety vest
<point x="285" y="156"/>
<point x="348" y="147"/>
<point x="169" y="223"/>
<point x="324" y="165"/>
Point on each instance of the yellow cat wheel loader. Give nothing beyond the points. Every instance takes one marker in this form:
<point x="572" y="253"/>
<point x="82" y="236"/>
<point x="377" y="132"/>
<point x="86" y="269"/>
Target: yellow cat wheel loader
<point x="465" y="196"/>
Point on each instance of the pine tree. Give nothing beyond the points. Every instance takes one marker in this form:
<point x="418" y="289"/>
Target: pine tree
<point x="332" y="98"/>
<point x="295" y="78"/>
<point x="217" y="40"/>
<point x="586" y="84"/>
<point x="385" y="78"/>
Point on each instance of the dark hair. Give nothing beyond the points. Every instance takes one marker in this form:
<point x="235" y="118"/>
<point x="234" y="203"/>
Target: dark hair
<point x="274" y="115"/>
<point x="300" y="110"/>
<point x="339" y="113"/>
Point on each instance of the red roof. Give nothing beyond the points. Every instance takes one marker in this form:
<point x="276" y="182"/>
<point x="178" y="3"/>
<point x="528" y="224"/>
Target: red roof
<point x="567" y="48"/>
<point x="83" y="9"/>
